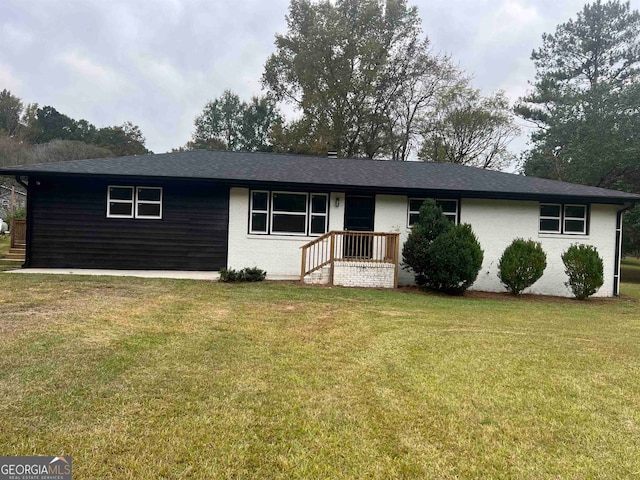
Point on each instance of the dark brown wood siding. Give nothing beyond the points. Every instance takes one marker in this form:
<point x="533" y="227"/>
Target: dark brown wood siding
<point x="69" y="228"/>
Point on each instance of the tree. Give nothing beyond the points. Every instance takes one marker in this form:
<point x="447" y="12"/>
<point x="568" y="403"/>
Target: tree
<point x="227" y="123"/>
<point x="11" y="109"/>
<point x="585" y="99"/>
<point x="126" y="139"/>
<point x="470" y="130"/>
<point x="258" y="119"/>
<point x="586" y="102"/>
<point x="360" y="73"/>
<point x="53" y="125"/>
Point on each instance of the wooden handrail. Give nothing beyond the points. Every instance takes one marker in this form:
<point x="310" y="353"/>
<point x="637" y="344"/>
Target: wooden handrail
<point x="371" y="247"/>
<point x="18" y="231"/>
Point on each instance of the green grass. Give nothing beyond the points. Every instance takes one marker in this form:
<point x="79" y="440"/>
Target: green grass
<point x="630" y="270"/>
<point x="5" y="244"/>
<point x="180" y="379"/>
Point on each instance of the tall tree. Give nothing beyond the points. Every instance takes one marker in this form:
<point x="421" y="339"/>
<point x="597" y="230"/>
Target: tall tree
<point x="469" y="129"/>
<point x="11" y="110"/>
<point x="586" y="102"/>
<point x="585" y="98"/>
<point x="227" y="123"/>
<point x="359" y="71"/>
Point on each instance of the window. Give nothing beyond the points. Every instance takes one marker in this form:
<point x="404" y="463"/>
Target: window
<point x="550" y="218"/>
<point x="318" y="218"/>
<point x="259" y="212"/>
<point x="559" y="218"/>
<point x="120" y="202"/>
<point x="134" y="202"/>
<point x="449" y="209"/>
<point x="288" y="213"/>
<point x="575" y="219"/>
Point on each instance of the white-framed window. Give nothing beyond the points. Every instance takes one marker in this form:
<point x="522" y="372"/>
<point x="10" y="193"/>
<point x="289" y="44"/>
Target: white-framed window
<point x="449" y="209"/>
<point x="319" y="214"/>
<point x="149" y="202"/>
<point x="120" y="201"/>
<point x="259" y="212"/>
<point x="575" y="219"/>
<point x="134" y="202"/>
<point x="288" y="213"/>
<point x="550" y="218"/>
<point x="567" y="219"/>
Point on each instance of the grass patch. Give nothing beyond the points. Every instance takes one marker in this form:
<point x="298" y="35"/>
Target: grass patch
<point x="142" y="378"/>
<point x="630" y="270"/>
<point x="5" y="244"/>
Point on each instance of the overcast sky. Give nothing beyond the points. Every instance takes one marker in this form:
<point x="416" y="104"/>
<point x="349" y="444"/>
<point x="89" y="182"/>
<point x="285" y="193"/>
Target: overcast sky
<point x="156" y="63"/>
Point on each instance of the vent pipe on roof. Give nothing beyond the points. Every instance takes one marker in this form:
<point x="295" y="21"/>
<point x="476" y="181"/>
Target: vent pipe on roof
<point x="332" y="154"/>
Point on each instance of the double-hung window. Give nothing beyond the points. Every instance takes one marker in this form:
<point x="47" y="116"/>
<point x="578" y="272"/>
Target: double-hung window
<point x="449" y="209"/>
<point x="134" y="202"/>
<point x="288" y="213"/>
<point x="120" y="202"/>
<point x="563" y="218"/>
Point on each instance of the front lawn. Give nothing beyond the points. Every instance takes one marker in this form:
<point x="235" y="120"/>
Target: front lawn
<point x="140" y="378"/>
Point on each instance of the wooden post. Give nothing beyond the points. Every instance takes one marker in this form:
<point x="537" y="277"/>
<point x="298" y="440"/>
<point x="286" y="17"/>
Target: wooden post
<point x="396" y="241"/>
<point x="332" y="256"/>
<point x="304" y="263"/>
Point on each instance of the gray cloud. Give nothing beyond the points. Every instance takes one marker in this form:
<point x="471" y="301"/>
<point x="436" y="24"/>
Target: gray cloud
<point x="156" y="63"/>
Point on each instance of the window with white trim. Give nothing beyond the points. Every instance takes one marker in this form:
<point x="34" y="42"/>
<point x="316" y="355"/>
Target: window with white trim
<point x="319" y="214"/>
<point x="563" y="218"/>
<point x="259" y="214"/>
<point x="120" y="202"/>
<point x="449" y="209"/>
<point x="148" y="202"/>
<point x="288" y="213"/>
<point x="134" y="202"/>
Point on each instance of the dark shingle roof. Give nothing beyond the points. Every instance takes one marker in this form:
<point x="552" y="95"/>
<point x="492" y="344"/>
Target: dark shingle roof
<point x="379" y="175"/>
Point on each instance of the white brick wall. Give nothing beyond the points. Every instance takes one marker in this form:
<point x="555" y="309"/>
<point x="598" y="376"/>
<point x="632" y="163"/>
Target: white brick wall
<point x="495" y="222"/>
<point x="279" y="255"/>
<point x="363" y="274"/>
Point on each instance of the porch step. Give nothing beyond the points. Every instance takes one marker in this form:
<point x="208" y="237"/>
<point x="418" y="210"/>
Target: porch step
<point x="15" y="254"/>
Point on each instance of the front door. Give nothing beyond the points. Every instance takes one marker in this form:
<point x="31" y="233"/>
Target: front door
<point x="358" y="217"/>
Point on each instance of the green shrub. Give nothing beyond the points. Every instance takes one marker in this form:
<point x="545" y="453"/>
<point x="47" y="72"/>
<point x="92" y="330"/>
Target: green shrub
<point x="18" y="212"/>
<point x="424" y="231"/>
<point x="454" y="258"/>
<point x="253" y="274"/>
<point x="443" y="256"/>
<point x="521" y="265"/>
<point x="585" y="270"/>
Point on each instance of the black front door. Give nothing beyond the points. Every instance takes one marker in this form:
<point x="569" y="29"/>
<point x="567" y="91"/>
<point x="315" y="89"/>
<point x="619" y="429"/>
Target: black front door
<point x="358" y="217"/>
<point x="358" y="213"/>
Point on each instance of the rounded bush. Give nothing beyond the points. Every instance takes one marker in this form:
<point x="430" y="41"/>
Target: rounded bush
<point x="443" y="256"/>
<point x="585" y="270"/>
<point x="521" y="265"/>
<point x="454" y="258"/>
